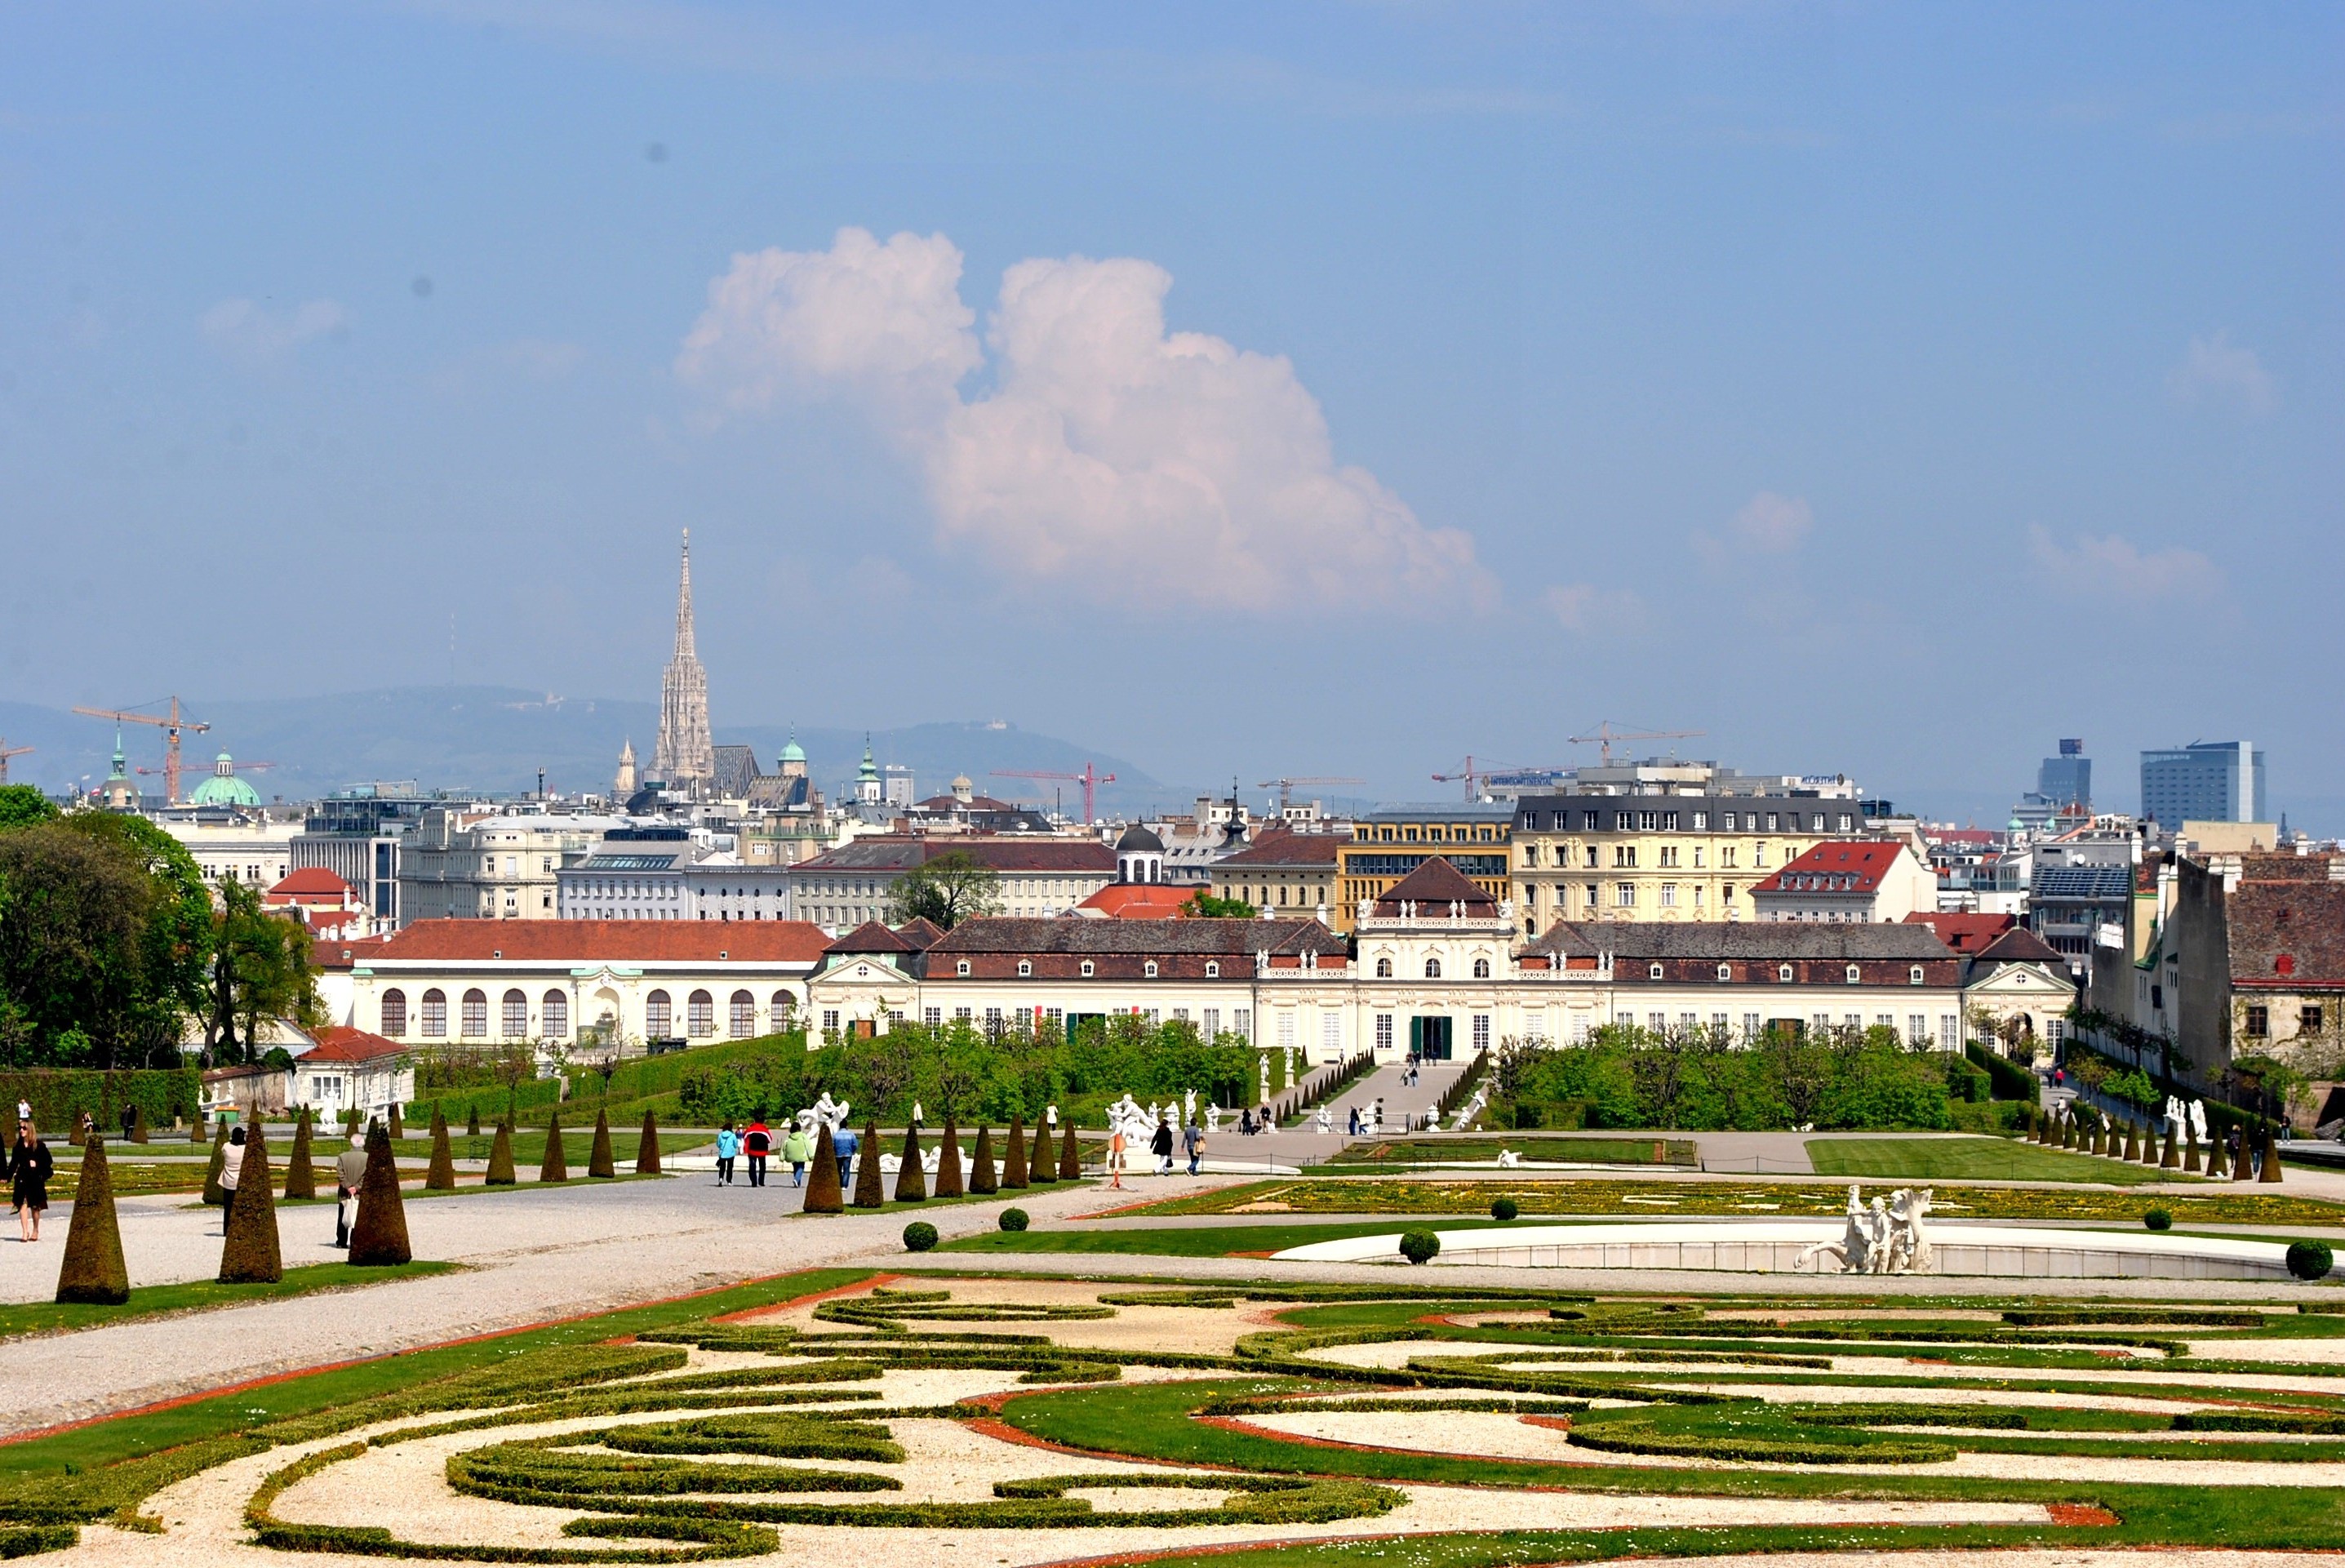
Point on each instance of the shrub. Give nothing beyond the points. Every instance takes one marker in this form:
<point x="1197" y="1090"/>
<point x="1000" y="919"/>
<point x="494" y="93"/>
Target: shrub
<point x="2309" y="1259"/>
<point x="1014" y="1219"/>
<point x="1503" y="1209"/>
<point x="93" y="1271"/>
<point x="919" y="1236"/>
<point x="1420" y="1246"/>
<point x="2159" y="1219"/>
<point x="378" y="1233"/>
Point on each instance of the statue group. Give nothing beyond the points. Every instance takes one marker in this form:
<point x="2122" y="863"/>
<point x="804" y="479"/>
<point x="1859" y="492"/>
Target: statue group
<point x="1885" y="1237"/>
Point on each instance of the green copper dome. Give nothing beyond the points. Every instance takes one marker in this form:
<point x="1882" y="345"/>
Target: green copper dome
<point x="224" y="788"/>
<point x="794" y="752"/>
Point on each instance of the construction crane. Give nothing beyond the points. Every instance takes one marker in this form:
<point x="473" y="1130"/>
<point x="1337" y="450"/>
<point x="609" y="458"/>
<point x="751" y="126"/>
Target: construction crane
<point x="6" y="751"/>
<point x="1287" y="788"/>
<point x="170" y="727"/>
<point x="1606" y="735"/>
<point x="1090" y="778"/>
<point x="1472" y="774"/>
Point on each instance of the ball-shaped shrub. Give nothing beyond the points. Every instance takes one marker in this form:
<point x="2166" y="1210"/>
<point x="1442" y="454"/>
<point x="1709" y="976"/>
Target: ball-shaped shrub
<point x="919" y="1236"/>
<point x="1013" y="1220"/>
<point x="1420" y="1246"/>
<point x="1503" y="1209"/>
<point x="2159" y="1219"/>
<point x="2309" y="1259"/>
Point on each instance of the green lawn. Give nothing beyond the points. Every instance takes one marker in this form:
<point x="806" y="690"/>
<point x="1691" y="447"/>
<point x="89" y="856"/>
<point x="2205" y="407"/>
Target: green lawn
<point x="51" y="1316"/>
<point x="1609" y="1149"/>
<point x="1971" y="1159"/>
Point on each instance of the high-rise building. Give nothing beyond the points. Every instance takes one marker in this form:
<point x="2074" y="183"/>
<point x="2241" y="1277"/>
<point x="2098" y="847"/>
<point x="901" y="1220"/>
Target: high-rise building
<point x="2205" y="781"/>
<point x="2067" y="779"/>
<point x="684" y="756"/>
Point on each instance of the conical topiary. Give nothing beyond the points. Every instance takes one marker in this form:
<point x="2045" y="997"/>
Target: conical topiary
<point x="1071" y="1165"/>
<point x="501" y="1160"/>
<point x="1040" y="1168"/>
<point x="870" y="1193"/>
<point x="598" y="1157"/>
<point x="949" y="1163"/>
<point x="378" y="1233"/>
<point x="1013" y="1165"/>
<point x="93" y="1272"/>
<point x="137" y="1123"/>
<point x="250" y="1255"/>
<point x="472" y="1120"/>
<point x="2149" y="1145"/>
<point x="399" y="1127"/>
<point x="822" y="1193"/>
<point x="912" y="1181"/>
<point x="982" y="1179"/>
<point x="555" y="1166"/>
<point x="300" y="1176"/>
<point x="2194" y="1159"/>
<point x="647" y="1148"/>
<point x="2128" y="1152"/>
<point x="2269" y="1169"/>
<point x="442" y="1177"/>
<point x="2169" y="1158"/>
<point x="2243" y="1167"/>
<point x="214" y="1190"/>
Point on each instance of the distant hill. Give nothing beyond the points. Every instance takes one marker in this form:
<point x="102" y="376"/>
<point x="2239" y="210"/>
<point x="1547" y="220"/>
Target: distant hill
<point x="495" y="738"/>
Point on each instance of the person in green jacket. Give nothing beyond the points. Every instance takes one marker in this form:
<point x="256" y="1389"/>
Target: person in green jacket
<point x="798" y="1148"/>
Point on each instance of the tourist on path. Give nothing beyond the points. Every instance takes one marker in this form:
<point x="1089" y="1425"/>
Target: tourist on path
<point x="29" y="1168"/>
<point x="1160" y="1143"/>
<point x="728" y="1149"/>
<point x="349" y="1171"/>
<point x="231" y="1168"/>
<point x="798" y="1148"/>
<point x="1193" y="1141"/>
<point x="129" y="1120"/>
<point x="844" y="1143"/>
<point x="756" y="1141"/>
<point x="1116" y="1157"/>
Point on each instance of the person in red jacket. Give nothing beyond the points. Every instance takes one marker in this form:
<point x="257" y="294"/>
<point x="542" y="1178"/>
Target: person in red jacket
<point x="756" y="1141"/>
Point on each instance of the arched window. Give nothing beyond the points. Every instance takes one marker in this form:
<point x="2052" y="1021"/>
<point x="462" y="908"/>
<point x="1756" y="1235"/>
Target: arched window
<point x="394" y="1013"/>
<point x="553" y="1015"/>
<point x="1213" y="969"/>
<point x="516" y="1015"/>
<point x="700" y="1014"/>
<point x="1432" y="969"/>
<point x="1149" y="969"/>
<point x="435" y="1013"/>
<point x="476" y="1013"/>
<point x="744" y="1016"/>
<point x="1726" y="972"/>
<point x="1025" y="967"/>
<point x="1652" y="971"/>
<point x="1481" y="969"/>
<point x="1784" y="972"/>
<point x="1854" y="974"/>
<point x="658" y="1015"/>
<point x="1384" y="968"/>
<point x="961" y="968"/>
<point x="1914" y="975"/>
<point x="1089" y="969"/>
<point x="786" y="1007"/>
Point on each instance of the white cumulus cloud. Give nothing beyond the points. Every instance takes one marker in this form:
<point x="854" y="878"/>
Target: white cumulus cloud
<point x="1153" y="469"/>
<point x="1592" y="611"/>
<point x="251" y="332"/>
<point x="2219" y="373"/>
<point x="1766" y="524"/>
<point x="2110" y="565"/>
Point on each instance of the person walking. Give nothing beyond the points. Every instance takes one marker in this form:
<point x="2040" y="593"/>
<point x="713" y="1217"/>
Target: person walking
<point x="350" y="1173"/>
<point x="1159" y="1143"/>
<point x="1116" y="1157"/>
<point x="129" y="1120"/>
<point x="728" y="1149"/>
<point x="756" y="1141"/>
<point x="798" y="1148"/>
<point x="844" y="1143"/>
<point x="29" y="1166"/>
<point x="1193" y="1142"/>
<point x="231" y="1169"/>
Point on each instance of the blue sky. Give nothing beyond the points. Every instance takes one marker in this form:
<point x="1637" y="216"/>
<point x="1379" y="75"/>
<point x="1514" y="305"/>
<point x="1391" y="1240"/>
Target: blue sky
<point x="1885" y="389"/>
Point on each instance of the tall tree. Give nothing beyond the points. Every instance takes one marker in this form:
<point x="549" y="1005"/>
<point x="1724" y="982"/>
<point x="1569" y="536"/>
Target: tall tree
<point x="948" y="889"/>
<point x="259" y="969"/>
<point x="74" y="912"/>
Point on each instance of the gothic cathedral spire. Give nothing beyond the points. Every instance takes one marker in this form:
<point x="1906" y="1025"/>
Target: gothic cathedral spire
<point x="684" y="756"/>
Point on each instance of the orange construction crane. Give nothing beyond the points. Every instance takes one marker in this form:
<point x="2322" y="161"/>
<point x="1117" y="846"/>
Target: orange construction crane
<point x="1606" y="735"/>
<point x="1090" y="778"/>
<point x="1286" y="786"/>
<point x="6" y="751"/>
<point x="170" y="727"/>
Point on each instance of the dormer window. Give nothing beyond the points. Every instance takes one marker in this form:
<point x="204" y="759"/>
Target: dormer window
<point x="1855" y="975"/>
<point x="1726" y="972"/>
<point x="1914" y="975"/>
<point x="1213" y="969"/>
<point x="1784" y="972"/>
<point x="1149" y="969"/>
<point x="1089" y="969"/>
<point x="1025" y="968"/>
<point x="961" y="969"/>
<point x="1652" y="971"/>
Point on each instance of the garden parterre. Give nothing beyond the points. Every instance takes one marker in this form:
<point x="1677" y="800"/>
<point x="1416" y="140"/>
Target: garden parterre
<point x="960" y="1419"/>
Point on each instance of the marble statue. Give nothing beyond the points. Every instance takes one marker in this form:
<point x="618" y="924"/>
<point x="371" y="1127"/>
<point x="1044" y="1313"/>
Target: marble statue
<point x="1188" y="1106"/>
<point x="826" y="1112"/>
<point x="1212" y="1119"/>
<point x="1326" y="1119"/>
<point x="1885" y="1236"/>
<point x="2198" y="1120"/>
<point x="1509" y="1158"/>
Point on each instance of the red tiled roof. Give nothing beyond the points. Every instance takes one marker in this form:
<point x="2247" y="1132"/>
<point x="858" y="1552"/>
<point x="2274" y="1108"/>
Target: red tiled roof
<point x="2020" y="945"/>
<point x="603" y="940"/>
<point x="311" y="882"/>
<point x="920" y="932"/>
<point x="338" y="1044"/>
<point x="1139" y="901"/>
<point x="335" y="953"/>
<point x="1867" y="861"/>
<point x="871" y="936"/>
<point x="1965" y="933"/>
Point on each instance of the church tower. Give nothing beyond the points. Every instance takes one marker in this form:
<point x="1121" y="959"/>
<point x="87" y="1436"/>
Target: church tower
<point x="625" y="785"/>
<point x="684" y="758"/>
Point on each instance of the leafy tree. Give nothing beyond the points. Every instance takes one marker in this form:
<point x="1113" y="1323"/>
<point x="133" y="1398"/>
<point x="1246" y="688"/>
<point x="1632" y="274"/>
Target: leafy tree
<point x="176" y="949"/>
<point x="946" y="891"/>
<point x="1205" y="906"/>
<point x="74" y="915"/>
<point x="21" y="806"/>
<point x="259" y="969"/>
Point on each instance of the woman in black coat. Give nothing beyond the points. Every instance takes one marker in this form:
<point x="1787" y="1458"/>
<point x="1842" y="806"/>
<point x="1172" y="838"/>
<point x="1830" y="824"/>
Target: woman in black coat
<point x="30" y="1165"/>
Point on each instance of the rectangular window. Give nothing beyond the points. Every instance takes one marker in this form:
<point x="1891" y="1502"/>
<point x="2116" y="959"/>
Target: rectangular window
<point x="1949" y="1032"/>
<point x="2307" y="1020"/>
<point x="993" y="1021"/>
<point x="1847" y="823"/>
<point x="932" y="1016"/>
<point x="1593" y="898"/>
<point x="1242" y="1021"/>
<point x="1150" y="1017"/>
<point x="1212" y="1021"/>
<point x="1535" y="1024"/>
<point x="1180" y="1015"/>
<point x="1481" y="1031"/>
<point x="1771" y="821"/>
<point x="2259" y="1021"/>
<point x="1054" y="1019"/>
<point x="1854" y="1021"/>
<point x="830" y="1020"/>
<point x="1658" y="1022"/>
<point x="1883" y="1021"/>
<point x="961" y="1015"/>
<point x="1750" y="1026"/>
<point x="1917" y="1029"/>
<point x="1331" y="1035"/>
<point x="1287" y="1029"/>
<point x="1592" y="861"/>
<point x="1624" y="895"/>
<point x="1384" y="1031"/>
<point x="1686" y="1022"/>
<point x="1669" y="895"/>
<point x="1701" y="823"/>
<point x="1645" y="821"/>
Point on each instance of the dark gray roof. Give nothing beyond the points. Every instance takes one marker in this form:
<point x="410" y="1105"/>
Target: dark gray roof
<point x="1140" y="837"/>
<point x="1010" y="853"/>
<point x="1237" y="938"/>
<point x="1743" y="940"/>
<point x="737" y="770"/>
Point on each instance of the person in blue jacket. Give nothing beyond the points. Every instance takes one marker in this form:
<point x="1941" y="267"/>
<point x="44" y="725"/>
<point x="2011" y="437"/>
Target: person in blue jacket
<point x="728" y="1149"/>
<point x="844" y="1144"/>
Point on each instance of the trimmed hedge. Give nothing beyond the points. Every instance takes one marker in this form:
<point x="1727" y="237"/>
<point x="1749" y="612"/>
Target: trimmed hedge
<point x="59" y="1095"/>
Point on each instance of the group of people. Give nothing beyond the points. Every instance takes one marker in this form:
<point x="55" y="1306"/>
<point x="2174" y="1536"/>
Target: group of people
<point x="755" y="1142"/>
<point x="1160" y="1142"/>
